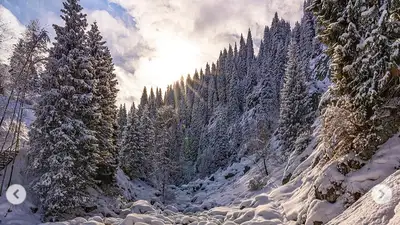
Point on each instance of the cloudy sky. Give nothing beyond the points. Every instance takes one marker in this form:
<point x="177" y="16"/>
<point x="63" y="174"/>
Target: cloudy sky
<point x="154" y="42"/>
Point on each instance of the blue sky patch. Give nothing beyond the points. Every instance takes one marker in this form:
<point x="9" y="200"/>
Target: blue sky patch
<point x="27" y="10"/>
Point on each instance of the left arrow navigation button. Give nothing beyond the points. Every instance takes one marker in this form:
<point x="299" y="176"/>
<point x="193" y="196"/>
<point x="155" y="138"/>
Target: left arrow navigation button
<point x="16" y="194"/>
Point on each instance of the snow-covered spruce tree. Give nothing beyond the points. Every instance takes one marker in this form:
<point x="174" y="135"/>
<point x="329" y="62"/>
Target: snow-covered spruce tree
<point x="159" y="101"/>
<point x="177" y="93"/>
<point x="180" y="175"/>
<point x="122" y="120"/>
<point x="289" y="120"/>
<point x="186" y="154"/>
<point x="212" y="87"/>
<point x="235" y="87"/>
<point x="189" y="97"/>
<point x="152" y="104"/>
<point x="307" y="85"/>
<point x="199" y="116"/>
<point x="361" y="37"/>
<point x="250" y="52"/>
<point x="169" y="98"/>
<point x="263" y="85"/>
<point x="207" y="82"/>
<point x="242" y="58"/>
<point x="204" y="94"/>
<point x="182" y="171"/>
<point x="144" y="100"/>
<point x="137" y="152"/>
<point x="222" y="77"/>
<point x="132" y="155"/>
<point x="105" y="95"/>
<point x="165" y="157"/>
<point x="251" y="84"/>
<point x="274" y="58"/>
<point x="296" y="113"/>
<point x="188" y="151"/>
<point x="215" y="146"/>
<point x="182" y="106"/>
<point x="362" y="108"/>
<point x="146" y="144"/>
<point x="276" y="42"/>
<point x="251" y="74"/>
<point x="241" y="73"/>
<point x="61" y="162"/>
<point x="297" y="109"/>
<point x="133" y="109"/>
<point x="194" y="131"/>
<point x="307" y="34"/>
<point x="319" y="71"/>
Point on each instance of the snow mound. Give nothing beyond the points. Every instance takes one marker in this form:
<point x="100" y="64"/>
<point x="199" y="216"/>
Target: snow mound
<point x="367" y="211"/>
<point x="227" y="187"/>
<point x="141" y="207"/>
<point x="299" y="198"/>
<point x="134" y="189"/>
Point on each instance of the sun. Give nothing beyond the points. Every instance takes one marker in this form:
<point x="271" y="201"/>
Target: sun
<point x="174" y="57"/>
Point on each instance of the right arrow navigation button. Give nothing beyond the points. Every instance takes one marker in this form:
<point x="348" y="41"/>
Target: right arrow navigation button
<point x="381" y="194"/>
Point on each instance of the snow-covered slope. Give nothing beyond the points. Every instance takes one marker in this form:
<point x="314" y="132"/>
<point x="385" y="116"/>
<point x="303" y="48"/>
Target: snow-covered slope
<point x="368" y="211"/>
<point x="299" y="198"/>
<point x="223" y="188"/>
<point x="22" y="214"/>
<point x="293" y="203"/>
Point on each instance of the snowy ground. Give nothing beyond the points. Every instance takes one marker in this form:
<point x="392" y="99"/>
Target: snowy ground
<point x="192" y="202"/>
<point x="22" y="214"/>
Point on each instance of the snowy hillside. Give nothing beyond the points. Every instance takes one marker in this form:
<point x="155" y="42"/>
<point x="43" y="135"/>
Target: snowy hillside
<point x="222" y="200"/>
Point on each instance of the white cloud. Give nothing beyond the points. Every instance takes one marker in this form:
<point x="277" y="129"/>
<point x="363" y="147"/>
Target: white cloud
<point x="128" y="90"/>
<point x="187" y="34"/>
<point x="123" y="42"/>
<point x="13" y="30"/>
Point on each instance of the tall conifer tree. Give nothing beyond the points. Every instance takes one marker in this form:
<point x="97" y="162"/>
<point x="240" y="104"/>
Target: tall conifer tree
<point x="62" y="145"/>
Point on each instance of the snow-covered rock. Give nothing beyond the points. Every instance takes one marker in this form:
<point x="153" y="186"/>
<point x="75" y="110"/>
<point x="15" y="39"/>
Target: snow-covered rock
<point x="219" y="211"/>
<point x="124" y="213"/>
<point x="188" y="219"/>
<point x="92" y="222"/>
<point x="133" y="219"/>
<point x="157" y="222"/>
<point x="172" y="208"/>
<point x="113" y="221"/>
<point x="261" y="199"/>
<point x="142" y="206"/>
<point x="96" y="218"/>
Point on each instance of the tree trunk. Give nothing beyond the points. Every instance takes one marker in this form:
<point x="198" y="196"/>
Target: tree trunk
<point x="265" y="167"/>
